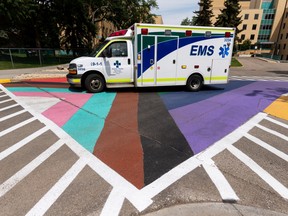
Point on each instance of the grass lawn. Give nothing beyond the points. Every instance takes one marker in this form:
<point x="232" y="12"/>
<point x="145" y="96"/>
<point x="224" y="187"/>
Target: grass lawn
<point x="235" y="63"/>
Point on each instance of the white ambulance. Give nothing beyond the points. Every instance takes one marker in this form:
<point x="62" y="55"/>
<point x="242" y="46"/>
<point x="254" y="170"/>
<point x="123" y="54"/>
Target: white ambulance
<point x="157" y="55"/>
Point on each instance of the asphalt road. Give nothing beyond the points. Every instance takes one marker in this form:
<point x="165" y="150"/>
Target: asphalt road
<point x="219" y="146"/>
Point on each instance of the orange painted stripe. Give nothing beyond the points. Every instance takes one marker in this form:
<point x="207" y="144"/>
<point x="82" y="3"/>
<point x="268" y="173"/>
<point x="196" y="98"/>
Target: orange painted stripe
<point x="279" y="108"/>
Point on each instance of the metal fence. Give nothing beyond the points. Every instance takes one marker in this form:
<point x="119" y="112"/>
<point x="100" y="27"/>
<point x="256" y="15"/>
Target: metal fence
<point x="24" y="58"/>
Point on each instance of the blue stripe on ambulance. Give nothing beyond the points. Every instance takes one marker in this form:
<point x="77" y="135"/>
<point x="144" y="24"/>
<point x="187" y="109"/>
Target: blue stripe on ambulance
<point x="166" y="48"/>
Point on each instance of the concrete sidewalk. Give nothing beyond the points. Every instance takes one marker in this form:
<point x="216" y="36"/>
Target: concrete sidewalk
<point x="13" y="75"/>
<point x="214" y="209"/>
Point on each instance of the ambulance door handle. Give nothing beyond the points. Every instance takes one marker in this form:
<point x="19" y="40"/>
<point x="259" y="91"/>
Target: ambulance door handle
<point x="151" y="61"/>
<point x="174" y="61"/>
<point x="129" y="61"/>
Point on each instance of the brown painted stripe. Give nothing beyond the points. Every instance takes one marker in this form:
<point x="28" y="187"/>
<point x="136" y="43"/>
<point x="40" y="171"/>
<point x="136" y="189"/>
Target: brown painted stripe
<point x="119" y="145"/>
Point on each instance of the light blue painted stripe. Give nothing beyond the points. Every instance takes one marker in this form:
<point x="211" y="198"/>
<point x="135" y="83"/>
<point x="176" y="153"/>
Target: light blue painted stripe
<point x="86" y="124"/>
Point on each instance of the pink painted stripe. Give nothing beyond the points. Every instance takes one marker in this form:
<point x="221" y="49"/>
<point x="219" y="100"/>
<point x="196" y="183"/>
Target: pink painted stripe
<point x="61" y="112"/>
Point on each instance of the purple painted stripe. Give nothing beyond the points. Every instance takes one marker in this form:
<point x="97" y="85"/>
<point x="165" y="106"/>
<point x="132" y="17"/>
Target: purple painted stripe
<point x="205" y="122"/>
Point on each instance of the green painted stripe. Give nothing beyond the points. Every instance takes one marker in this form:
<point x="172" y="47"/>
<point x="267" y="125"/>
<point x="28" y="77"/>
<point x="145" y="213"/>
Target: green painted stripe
<point x="216" y="78"/>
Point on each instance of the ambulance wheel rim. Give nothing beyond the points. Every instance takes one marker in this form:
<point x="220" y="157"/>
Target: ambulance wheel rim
<point x="194" y="83"/>
<point x="94" y="83"/>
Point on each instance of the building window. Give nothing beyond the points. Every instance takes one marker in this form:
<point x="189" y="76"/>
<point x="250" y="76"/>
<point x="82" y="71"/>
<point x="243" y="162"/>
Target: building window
<point x="266" y="27"/>
<point x="269" y="16"/>
<point x="286" y="35"/>
<point x="286" y="15"/>
<point x="244" y="26"/>
<point x="284" y="24"/>
<point x="242" y="37"/>
<point x="246" y="16"/>
<point x="284" y="47"/>
<point x="254" y="27"/>
<point x="256" y="16"/>
<point x="287" y="57"/>
<point x="281" y="36"/>
<point x="252" y="37"/>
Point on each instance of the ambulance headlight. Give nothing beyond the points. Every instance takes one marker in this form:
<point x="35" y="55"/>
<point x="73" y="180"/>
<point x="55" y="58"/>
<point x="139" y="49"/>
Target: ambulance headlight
<point x="72" y="69"/>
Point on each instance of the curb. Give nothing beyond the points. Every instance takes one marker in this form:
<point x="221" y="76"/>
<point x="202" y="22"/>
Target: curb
<point x="215" y="209"/>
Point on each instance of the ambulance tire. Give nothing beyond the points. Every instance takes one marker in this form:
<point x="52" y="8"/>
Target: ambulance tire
<point x="194" y="83"/>
<point x="94" y="83"/>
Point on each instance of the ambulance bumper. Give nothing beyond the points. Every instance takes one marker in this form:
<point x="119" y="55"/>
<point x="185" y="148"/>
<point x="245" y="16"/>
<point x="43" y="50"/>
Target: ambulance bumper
<point x="74" y="80"/>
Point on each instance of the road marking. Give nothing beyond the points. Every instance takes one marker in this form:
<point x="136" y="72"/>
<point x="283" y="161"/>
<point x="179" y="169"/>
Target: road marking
<point x="267" y="147"/>
<point x="8" y="130"/>
<point x="22" y="143"/>
<point x="263" y="174"/>
<point x="54" y="193"/>
<point x="276" y="122"/>
<point x="3" y="95"/>
<point x="226" y="191"/>
<point x="8" y="107"/>
<point x="12" y="115"/>
<point x="113" y="204"/>
<point x="4" y="101"/>
<point x="272" y="132"/>
<point x="21" y="174"/>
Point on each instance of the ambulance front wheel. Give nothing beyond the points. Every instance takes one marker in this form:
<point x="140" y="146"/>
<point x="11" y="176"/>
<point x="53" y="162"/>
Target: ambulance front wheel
<point x="94" y="83"/>
<point x="194" y="83"/>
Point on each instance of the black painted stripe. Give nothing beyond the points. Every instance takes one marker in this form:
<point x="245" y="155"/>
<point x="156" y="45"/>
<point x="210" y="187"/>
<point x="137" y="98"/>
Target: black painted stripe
<point x="163" y="144"/>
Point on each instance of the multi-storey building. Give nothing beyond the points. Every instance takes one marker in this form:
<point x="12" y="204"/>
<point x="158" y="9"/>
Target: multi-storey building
<point x="264" y="22"/>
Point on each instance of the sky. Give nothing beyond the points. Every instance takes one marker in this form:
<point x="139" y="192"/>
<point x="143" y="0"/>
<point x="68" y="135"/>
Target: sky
<point x="173" y="12"/>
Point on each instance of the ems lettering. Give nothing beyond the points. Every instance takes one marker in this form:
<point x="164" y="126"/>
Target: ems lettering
<point x="199" y="50"/>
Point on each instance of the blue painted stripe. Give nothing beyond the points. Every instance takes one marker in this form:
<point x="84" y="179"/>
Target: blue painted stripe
<point x="86" y="124"/>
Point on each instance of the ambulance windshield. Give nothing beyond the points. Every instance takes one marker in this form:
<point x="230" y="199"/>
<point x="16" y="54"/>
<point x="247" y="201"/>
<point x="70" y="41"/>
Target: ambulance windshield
<point x="98" y="49"/>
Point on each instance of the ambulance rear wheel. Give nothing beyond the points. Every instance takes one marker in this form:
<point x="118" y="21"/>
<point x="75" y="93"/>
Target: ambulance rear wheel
<point x="94" y="83"/>
<point x="194" y="83"/>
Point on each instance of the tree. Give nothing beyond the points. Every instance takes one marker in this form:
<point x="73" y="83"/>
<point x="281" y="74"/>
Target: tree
<point x="189" y="22"/>
<point x="246" y="44"/>
<point x="229" y="16"/>
<point x="204" y="15"/>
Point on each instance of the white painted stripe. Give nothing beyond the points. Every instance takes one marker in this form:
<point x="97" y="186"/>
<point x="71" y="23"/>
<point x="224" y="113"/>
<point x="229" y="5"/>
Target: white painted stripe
<point x="267" y="146"/>
<point x="226" y="191"/>
<point x="3" y="96"/>
<point x="21" y="174"/>
<point x="276" y="122"/>
<point x="113" y="204"/>
<point x="8" y="107"/>
<point x="282" y="136"/>
<point x="270" y="180"/>
<point x="4" y="101"/>
<point x="8" y="130"/>
<point x="22" y="143"/>
<point x="12" y="115"/>
<point x="53" y="194"/>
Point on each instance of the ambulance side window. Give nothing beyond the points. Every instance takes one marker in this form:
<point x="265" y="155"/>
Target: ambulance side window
<point x="116" y="49"/>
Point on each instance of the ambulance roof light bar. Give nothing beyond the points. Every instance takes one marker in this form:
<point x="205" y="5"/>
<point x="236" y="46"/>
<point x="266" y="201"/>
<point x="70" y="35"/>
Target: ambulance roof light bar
<point x="119" y="33"/>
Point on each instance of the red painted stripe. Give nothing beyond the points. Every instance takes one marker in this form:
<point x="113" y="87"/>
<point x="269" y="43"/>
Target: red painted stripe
<point x="119" y="145"/>
<point x="53" y="80"/>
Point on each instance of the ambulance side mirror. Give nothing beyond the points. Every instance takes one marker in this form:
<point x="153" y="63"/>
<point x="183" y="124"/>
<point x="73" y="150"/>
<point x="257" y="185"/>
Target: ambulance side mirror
<point x="149" y="47"/>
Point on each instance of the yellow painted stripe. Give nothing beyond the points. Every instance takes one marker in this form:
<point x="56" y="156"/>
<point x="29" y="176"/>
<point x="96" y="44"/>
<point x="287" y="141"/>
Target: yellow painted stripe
<point x="5" y="80"/>
<point x="119" y="80"/>
<point x="279" y="108"/>
<point x="216" y="78"/>
<point x="186" y="28"/>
